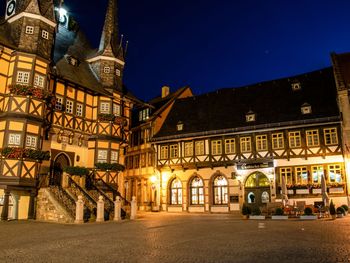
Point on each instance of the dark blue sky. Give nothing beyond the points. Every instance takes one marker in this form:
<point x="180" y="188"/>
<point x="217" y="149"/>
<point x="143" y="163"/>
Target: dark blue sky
<point x="224" y="43"/>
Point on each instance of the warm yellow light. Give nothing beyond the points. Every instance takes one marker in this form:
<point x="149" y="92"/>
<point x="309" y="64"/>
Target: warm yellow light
<point x="153" y="179"/>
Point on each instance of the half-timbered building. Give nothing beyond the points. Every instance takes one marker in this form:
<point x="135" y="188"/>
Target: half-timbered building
<point x="62" y="102"/>
<point x="218" y="150"/>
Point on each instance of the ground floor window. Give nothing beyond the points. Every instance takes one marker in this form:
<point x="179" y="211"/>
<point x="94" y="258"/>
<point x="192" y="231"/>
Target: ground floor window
<point x="176" y="192"/>
<point x="197" y="191"/>
<point x="335" y="173"/>
<point x="220" y="190"/>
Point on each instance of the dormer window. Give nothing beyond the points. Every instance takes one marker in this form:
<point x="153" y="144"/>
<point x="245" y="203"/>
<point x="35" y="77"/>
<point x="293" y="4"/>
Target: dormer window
<point x="306" y="108"/>
<point x="72" y="60"/>
<point x="144" y="114"/>
<point x="296" y="86"/>
<point x="45" y="34"/>
<point x="107" y="70"/>
<point x="180" y="126"/>
<point x="250" y="116"/>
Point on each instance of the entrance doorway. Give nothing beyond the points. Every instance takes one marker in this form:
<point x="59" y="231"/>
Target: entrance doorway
<point x="61" y="162"/>
<point x="257" y="189"/>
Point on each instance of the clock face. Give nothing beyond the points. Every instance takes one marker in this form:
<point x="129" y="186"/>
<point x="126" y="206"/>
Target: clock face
<point x="11" y="6"/>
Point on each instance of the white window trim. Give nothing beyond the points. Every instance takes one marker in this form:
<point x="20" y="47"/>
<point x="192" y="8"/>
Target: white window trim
<point x="107" y="70"/>
<point x="14" y="139"/>
<point x="39" y="80"/>
<point x="261" y="142"/>
<point x="29" y="30"/>
<point x="69" y="106"/>
<point x="105" y="107"/>
<point x="102" y="156"/>
<point x="31" y="141"/>
<point x="23" y="77"/>
<point x="44" y="34"/>
<point x="277" y="138"/>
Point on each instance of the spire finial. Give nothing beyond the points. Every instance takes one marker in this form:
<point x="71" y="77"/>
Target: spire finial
<point x="109" y="38"/>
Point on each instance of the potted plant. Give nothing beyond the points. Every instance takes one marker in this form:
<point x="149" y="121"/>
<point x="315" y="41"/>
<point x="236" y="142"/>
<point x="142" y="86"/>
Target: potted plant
<point x="256" y="214"/>
<point x="246" y="211"/>
<point x="332" y="210"/>
<point x="279" y="214"/>
<point x="346" y="208"/>
<point x="308" y="214"/>
<point x="340" y="211"/>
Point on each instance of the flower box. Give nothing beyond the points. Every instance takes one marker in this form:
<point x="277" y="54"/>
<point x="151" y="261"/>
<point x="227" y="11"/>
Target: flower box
<point x="279" y="217"/>
<point x="336" y="190"/>
<point x="317" y="191"/>
<point x="340" y="215"/>
<point x="302" y="191"/>
<point x="257" y="217"/>
<point x="311" y="217"/>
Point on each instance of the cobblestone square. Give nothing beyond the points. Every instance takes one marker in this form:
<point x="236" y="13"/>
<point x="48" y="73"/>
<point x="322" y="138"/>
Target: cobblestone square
<point x="161" y="237"/>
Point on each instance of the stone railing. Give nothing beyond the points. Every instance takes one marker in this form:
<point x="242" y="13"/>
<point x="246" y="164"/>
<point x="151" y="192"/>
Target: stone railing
<point x="64" y="199"/>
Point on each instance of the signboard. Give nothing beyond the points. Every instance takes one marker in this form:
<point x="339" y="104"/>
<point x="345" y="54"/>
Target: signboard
<point x="247" y="166"/>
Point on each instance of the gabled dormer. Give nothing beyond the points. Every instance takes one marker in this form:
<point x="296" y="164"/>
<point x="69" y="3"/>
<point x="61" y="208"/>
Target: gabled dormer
<point x="108" y="62"/>
<point x="32" y="25"/>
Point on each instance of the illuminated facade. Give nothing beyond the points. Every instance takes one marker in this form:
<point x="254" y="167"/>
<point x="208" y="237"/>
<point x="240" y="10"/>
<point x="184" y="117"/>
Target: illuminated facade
<point x="60" y="99"/>
<point x="219" y="150"/>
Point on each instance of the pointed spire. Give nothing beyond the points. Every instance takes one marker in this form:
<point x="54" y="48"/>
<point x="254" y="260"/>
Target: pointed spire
<point x="109" y="39"/>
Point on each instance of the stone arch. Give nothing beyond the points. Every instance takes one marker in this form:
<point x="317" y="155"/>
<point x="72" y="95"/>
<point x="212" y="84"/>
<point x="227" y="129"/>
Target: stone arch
<point x="201" y="199"/>
<point x="179" y="193"/>
<point x="60" y="162"/>
<point x="212" y="188"/>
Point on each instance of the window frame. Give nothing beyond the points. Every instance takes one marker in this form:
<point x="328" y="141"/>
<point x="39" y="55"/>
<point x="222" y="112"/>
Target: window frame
<point x="164" y="152"/>
<point x="299" y="174"/>
<point x="59" y="103"/>
<point x="33" y="143"/>
<point x="288" y="173"/>
<point x="196" y="191"/>
<point x="260" y="141"/>
<point x="16" y="137"/>
<point x="105" y="107"/>
<point x="188" y="149"/>
<point x="312" y="138"/>
<point x="106" y="69"/>
<point x="216" y="147"/>
<point x="23" y="77"/>
<point x="39" y="81"/>
<point x="333" y="140"/>
<point x="45" y="34"/>
<point x="79" y="109"/>
<point x="174" y="151"/>
<point x="247" y="143"/>
<point x="199" y="148"/>
<point x="176" y="193"/>
<point x="230" y="146"/>
<point x="114" y="156"/>
<point x="102" y="158"/>
<point x="29" y="30"/>
<point x="220" y="191"/>
<point x="294" y="136"/>
<point x="336" y="167"/>
<point x="277" y="140"/>
<point x="69" y="106"/>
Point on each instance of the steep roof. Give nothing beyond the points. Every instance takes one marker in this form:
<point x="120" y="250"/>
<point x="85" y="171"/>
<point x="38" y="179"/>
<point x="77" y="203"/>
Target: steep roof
<point x="274" y="102"/>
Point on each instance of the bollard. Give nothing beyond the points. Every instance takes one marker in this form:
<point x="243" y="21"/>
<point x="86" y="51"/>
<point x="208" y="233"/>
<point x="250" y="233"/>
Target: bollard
<point x="100" y="210"/>
<point x="79" y="210"/>
<point x="117" y="209"/>
<point x="133" y="208"/>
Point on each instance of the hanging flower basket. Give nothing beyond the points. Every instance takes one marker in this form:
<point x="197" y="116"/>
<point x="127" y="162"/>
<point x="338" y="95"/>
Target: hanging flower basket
<point x="110" y="167"/>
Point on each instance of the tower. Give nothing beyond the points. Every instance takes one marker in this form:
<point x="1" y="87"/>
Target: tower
<point x="108" y="62"/>
<point x="32" y="26"/>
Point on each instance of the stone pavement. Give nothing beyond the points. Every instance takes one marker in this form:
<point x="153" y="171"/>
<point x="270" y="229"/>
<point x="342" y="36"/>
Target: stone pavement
<point x="162" y="237"/>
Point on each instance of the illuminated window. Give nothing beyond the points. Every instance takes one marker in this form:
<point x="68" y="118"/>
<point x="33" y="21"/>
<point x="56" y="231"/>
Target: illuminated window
<point x="216" y="147"/>
<point x="312" y="138"/>
<point x="102" y="156"/>
<point x="114" y="156"/>
<point x="330" y="136"/>
<point x="45" y="34"/>
<point x="301" y="175"/>
<point x="230" y="146"/>
<point x="174" y="153"/>
<point x="220" y="190"/>
<point x="14" y="139"/>
<point x="105" y="107"/>
<point x="29" y="30"/>
<point x="144" y="115"/>
<point x="294" y="139"/>
<point x="23" y="77"/>
<point x="69" y="106"/>
<point x="188" y="149"/>
<point x="335" y="173"/>
<point x="31" y="141"/>
<point x="261" y="142"/>
<point x="288" y="175"/>
<point x="277" y="141"/>
<point x="199" y="147"/>
<point x="317" y="172"/>
<point x="176" y="192"/>
<point x="296" y="86"/>
<point x="250" y="116"/>
<point x="143" y="160"/>
<point x="164" y="152"/>
<point x="39" y="81"/>
<point x="306" y="109"/>
<point x="79" y="109"/>
<point x="246" y="144"/>
<point x="116" y="109"/>
<point x="117" y="72"/>
<point x="197" y="191"/>
<point x="59" y="103"/>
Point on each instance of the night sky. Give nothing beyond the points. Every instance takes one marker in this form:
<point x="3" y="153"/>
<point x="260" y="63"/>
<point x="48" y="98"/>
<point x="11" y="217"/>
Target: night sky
<point x="216" y="44"/>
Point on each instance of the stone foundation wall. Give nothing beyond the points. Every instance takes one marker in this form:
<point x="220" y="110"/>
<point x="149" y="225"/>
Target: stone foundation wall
<point x="49" y="209"/>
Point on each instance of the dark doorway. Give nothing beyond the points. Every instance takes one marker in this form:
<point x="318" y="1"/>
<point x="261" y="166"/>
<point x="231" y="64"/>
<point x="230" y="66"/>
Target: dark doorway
<point x="61" y="162"/>
<point x="257" y="189"/>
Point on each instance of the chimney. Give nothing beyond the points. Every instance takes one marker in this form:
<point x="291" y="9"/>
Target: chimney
<point x="165" y="91"/>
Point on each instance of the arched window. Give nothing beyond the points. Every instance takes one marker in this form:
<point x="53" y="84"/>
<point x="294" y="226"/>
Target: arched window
<point x="220" y="190"/>
<point x="176" y="192"/>
<point x="197" y="191"/>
